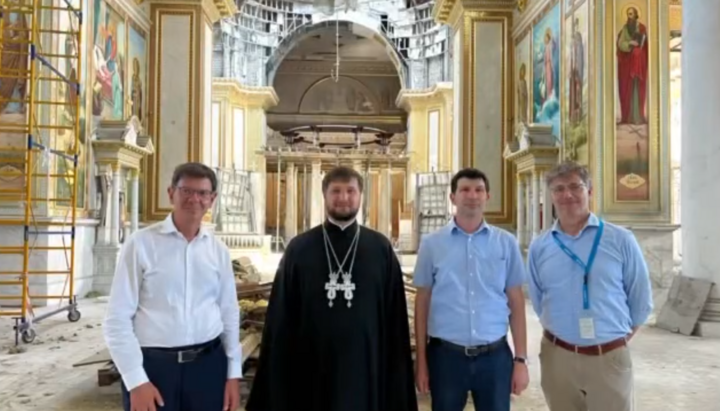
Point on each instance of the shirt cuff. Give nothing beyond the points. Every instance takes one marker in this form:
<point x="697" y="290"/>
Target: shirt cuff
<point x="234" y="369"/>
<point x="135" y="378"/>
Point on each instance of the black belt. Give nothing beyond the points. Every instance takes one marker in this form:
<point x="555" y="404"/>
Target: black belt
<point x="471" y="351"/>
<point x="188" y="353"/>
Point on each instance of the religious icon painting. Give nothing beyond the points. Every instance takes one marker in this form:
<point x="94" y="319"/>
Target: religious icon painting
<point x="546" y="70"/>
<point x="631" y="103"/>
<point x="576" y="58"/>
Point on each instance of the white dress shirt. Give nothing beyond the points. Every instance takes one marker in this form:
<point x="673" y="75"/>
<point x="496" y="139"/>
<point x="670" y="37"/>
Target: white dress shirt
<point x="168" y="292"/>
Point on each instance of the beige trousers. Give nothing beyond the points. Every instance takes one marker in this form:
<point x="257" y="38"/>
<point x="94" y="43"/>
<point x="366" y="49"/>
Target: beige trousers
<point x="577" y="382"/>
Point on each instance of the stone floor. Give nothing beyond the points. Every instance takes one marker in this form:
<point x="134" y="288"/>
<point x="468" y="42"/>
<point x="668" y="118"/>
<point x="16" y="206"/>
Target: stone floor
<point x="673" y="372"/>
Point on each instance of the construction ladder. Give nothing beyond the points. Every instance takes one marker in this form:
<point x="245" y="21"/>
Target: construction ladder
<point x="39" y="82"/>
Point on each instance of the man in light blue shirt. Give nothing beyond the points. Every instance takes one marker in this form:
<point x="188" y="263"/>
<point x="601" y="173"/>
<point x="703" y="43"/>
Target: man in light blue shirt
<point x="590" y="286"/>
<point x="469" y="276"/>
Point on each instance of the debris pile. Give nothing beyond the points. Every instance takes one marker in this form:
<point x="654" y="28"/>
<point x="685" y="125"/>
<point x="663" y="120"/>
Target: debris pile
<point x="245" y="272"/>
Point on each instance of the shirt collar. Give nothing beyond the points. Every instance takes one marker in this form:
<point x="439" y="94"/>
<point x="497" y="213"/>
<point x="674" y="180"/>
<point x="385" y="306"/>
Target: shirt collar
<point x="168" y="227"/>
<point x="593" y="221"/>
<point x="454" y="228"/>
<point x="342" y="225"/>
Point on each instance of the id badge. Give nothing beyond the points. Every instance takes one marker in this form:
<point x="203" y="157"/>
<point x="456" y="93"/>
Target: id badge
<point x="587" y="328"/>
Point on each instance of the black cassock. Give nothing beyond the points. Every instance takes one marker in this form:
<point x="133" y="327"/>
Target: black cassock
<point x="319" y="358"/>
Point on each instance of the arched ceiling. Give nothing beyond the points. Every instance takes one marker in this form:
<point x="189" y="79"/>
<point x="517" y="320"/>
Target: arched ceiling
<point x="354" y="46"/>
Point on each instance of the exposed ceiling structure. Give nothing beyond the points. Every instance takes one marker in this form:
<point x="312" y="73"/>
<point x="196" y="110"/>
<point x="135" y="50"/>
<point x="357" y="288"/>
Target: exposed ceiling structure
<point x="353" y="46"/>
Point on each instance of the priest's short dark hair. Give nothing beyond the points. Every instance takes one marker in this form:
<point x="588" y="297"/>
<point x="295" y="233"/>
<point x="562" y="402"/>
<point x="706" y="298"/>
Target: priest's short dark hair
<point x="471" y="174"/>
<point x="341" y="174"/>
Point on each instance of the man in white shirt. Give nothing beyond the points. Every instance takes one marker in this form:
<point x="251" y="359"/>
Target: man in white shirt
<point x="173" y="321"/>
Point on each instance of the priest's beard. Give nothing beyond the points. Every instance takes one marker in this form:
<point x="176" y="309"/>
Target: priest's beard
<point x="342" y="216"/>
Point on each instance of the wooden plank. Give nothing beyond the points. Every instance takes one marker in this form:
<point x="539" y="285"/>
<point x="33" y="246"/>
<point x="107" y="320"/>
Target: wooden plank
<point x="97" y="358"/>
<point x="249" y="343"/>
<point x="685" y="302"/>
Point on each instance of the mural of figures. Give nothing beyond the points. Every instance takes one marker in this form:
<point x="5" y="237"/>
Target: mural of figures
<point x="13" y="57"/>
<point x="631" y="133"/>
<point x="546" y="70"/>
<point x="67" y="115"/>
<point x="108" y="58"/>
<point x="576" y="101"/>
<point x="137" y="56"/>
<point x="522" y="91"/>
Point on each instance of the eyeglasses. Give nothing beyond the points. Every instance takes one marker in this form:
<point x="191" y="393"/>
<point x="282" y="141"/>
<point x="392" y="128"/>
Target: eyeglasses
<point x="189" y="192"/>
<point x="574" y="188"/>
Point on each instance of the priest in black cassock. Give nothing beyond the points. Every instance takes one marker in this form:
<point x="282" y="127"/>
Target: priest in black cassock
<point x="336" y="336"/>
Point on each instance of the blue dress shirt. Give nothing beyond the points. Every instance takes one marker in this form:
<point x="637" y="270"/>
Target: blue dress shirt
<point x="620" y="293"/>
<point x="469" y="274"/>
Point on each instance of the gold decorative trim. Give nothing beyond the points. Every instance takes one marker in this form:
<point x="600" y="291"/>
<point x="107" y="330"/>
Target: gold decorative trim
<point x="468" y="129"/>
<point x="654" y="209"/>
<point x="244" y="96"/>
<point x="417" y="99"/>
<point x="151" y="204"/>
<point x="443" y="9"/>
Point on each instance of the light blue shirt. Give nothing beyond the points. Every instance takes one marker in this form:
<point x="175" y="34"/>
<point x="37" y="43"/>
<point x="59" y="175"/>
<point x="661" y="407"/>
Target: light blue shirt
<point x="620" y="294"/>
<point x="469" y="274"/>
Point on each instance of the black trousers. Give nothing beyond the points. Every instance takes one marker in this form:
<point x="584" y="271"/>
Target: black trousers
<point x="198" y="384"/>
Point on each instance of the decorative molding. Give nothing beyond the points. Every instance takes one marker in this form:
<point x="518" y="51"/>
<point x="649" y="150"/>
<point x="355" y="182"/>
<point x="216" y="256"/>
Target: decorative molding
<point x="440" y="93"/>
<point x="122" y="145"/>
<point x="443" y="9"/>
<point x="244" y="96"/>
<point x="213" y="9"/>
<point x="532" y="14"/>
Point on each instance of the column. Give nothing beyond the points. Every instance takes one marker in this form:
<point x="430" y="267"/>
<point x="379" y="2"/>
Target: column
<point x="528" y="208"/>
<point x="115" y="205"/>
<point x="290" y="202"/>
<point x="317" y="206"/>
<point x="358" y="166"/>
<point x="547" y="207"/>
<point x="180" y="52"/>
<point x="700" y="190"/>
<point x="535" y="204"/>
<point x="385" y="203"/>
<point x="135" y="198"/>
<point x="482" y="42"/>
<point x="520" y="210"/>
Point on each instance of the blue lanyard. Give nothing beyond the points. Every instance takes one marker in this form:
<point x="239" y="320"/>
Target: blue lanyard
<point x="585" y="267"/>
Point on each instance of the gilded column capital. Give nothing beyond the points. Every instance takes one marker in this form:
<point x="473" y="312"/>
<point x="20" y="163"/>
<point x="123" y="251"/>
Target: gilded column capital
<point x="213" y="9"/>
<point x="245" y="96"/>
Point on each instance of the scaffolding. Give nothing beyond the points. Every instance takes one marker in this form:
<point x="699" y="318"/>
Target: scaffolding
<point x="35" y="84"/>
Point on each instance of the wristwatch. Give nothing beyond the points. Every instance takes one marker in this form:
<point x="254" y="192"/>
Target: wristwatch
<point x="522" y="360"/>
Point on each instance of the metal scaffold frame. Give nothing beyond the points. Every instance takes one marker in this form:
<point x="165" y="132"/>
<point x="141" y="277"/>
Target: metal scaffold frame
<point x="32" y="26"/>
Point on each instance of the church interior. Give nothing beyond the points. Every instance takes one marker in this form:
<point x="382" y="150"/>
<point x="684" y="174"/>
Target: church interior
<point x="101" y="99"/>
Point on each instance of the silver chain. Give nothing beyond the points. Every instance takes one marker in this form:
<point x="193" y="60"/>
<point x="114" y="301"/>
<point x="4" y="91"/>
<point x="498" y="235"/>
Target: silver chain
<point x="346" y="275"/>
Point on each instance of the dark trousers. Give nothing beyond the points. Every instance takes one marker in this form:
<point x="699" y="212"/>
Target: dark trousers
<point x="195" y="385"/>
<point x="453" y="373"/>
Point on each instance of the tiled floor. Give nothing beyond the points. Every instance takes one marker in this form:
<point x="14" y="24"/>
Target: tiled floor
<point x="673" y="372"/>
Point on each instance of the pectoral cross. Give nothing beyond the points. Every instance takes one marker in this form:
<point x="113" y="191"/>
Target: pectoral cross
<point x="332" y="287"/>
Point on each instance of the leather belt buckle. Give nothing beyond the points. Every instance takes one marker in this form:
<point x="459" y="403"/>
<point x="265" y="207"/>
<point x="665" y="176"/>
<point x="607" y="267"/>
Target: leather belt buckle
<point x="187" y="356"/>
<point x="472" y="351"/>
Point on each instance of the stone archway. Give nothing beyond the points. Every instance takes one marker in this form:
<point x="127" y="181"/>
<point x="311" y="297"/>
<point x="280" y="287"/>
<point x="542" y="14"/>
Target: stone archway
<point x="305" y="31"/>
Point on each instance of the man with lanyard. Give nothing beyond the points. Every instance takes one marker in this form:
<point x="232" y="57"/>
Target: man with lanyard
<point x="173" y="321"/>
<point x="469" y="278"/>
<point x="590" y="286"/>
